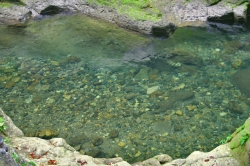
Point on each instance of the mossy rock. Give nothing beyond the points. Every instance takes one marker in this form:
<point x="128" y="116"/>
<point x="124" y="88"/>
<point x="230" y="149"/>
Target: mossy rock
<point x="241" y="152"/>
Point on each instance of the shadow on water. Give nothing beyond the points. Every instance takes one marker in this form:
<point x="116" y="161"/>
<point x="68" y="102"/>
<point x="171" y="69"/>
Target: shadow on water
<point x="110" y="92"/>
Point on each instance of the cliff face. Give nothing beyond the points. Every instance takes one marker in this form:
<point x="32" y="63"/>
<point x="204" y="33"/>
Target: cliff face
<point x="159" y="18"/>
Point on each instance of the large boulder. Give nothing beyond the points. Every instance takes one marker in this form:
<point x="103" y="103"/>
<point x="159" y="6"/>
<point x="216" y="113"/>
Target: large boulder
<point x="57" y="151"/>
<point x="12" y="130"/>
<point x="196" y="12"/>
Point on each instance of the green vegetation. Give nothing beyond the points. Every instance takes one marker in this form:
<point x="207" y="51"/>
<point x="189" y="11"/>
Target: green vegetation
<point x="244" y="138"/>
<point x="7" y="3"/>
<point x="240" y="128"/>
<point x="18" y="160"/>
<point x="2" y="124"/>
<point x="230" y="137"/>
<point x="136" y="9"/>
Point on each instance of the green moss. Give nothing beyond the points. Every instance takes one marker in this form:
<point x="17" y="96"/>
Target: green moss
<point x="2" y="124"/>
<point x="135" y="9"/>
<point x="5" y="4"/>
<point x="8" y="3"/>
<point x="238" y="142"/>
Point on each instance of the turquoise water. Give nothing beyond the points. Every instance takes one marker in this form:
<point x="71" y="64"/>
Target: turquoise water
<point x="111" y="92"/>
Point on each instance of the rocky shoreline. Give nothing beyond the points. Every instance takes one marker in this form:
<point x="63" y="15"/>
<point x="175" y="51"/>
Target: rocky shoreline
<point x="174" y="14"/>
<point x="57" y="152"/>
<point x="48" y="151"/>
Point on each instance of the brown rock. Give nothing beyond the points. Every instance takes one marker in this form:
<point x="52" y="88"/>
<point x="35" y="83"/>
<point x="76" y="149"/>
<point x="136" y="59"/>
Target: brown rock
<point x="47" y="133"/>
<point x="9" y="84"/>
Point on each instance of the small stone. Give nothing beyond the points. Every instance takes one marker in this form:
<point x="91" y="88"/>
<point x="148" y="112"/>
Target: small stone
<point x="97" y="140"/>
<point x="47" y="133"/>
<point x="237" y="63"/>
<point x="55" y="63"/>
<point x="2" y="79"/>
<point x="122" y="144"/>
<point x="223" y="114"/>
<point x="191" y="107"/>
<point x="9" y="84"/>
<point x="113" y="133"/>
<point x="16" y="79"/>
<point x="9" y="70"/>
<point x="67" y="97"/>
<point x="138" y="154"/>
<point x="179" y="112"/>
<point x="45" y="87"/>
<point x="50" y="100"/>
<point x="168" y="117"/>
<point x="152" y="89"/>
<point x="130" y="96"/>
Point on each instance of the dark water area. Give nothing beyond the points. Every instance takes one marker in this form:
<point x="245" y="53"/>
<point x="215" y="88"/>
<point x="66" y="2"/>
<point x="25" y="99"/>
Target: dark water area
<point x="111" y="92"/>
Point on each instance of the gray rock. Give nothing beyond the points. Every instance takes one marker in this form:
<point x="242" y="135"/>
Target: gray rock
<point x="184" y="13"/>
<point x="177" y="12"/>
<point x="12" y="130"/>
<point x="7" y="160"/>
<point x="11" y="15"/>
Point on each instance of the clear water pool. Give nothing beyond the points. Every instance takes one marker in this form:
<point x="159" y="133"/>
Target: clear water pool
<point x="111" y="92"/>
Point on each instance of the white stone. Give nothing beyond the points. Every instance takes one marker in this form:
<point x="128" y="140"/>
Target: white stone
<point x="152" y="89"/>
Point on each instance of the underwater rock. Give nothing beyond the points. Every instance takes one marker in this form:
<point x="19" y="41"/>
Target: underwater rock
<point x="178" y="127"/>
<point x="130" y="96"/>
<point x="162" y="127"/>
<point x="9" y="84"/>
<point x="122" y="144"/>
<point x="237" y="63"/>
<point x="78" y="139"/>
<point x="232" y="46"/>
<point x="235" y="107"/>
<point x="94" y="152"/>
<point x="173" y="98"/>
<point x="47" y="134"/>
<point x="241" y="80"/>
<point x="152" y="89"/>
<point x="180" y="55"/>
<point x="70" y="59"/>
<point x="144" y="73"/>
<point x="97" y="140"/>
<point x="113" y="133"/>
